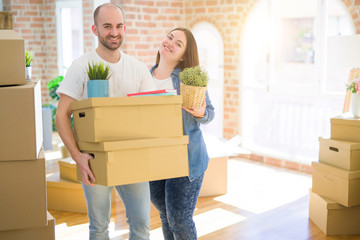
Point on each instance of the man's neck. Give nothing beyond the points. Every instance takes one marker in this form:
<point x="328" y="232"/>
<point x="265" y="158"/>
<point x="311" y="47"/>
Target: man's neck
<point x="111" y="56"/>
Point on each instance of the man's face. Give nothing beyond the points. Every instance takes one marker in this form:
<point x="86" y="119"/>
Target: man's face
<point x="110" y="27"/>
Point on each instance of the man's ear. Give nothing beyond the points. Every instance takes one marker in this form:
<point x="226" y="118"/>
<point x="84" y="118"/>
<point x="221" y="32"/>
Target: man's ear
<point x="94" y="29"/>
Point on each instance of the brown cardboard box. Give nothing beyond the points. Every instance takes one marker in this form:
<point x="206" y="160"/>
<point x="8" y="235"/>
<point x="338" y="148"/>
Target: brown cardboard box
<point x="132" y="161"/>
<point x="21" y="128"/>
<point x="215" y="179"/>
<point x="65" y="195"/>
<point x="333" y="218"/>
<point x="345" y="127"/>
<point x="126" y="118"/>
<point x="23" y="194"/>
<point x="12" y="58"/>
<point x="67" y="167"/>
<point x="42" y="233"/>
<point x="336" y="184"/>
<point x="342" y="154"/>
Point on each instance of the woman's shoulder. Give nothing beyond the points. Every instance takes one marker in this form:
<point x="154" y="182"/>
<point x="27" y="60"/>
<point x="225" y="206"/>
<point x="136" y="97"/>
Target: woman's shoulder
<point x="176" y="72"/>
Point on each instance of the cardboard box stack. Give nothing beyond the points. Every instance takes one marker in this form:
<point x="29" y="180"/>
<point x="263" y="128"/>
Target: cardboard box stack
<point x="335" y="197"/>
<point x="64" y="191"/>
<point x="132" y="139"/>
<point x="22" y="162"/>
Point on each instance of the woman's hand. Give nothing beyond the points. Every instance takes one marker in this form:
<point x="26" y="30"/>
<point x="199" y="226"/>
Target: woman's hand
<point x="199" y="113"/>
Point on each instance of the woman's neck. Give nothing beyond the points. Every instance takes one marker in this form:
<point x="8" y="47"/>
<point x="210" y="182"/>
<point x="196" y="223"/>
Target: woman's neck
<point x="163" y="70"/>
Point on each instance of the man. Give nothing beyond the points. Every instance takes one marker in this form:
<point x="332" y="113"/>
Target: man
<point x="127" y="76"/>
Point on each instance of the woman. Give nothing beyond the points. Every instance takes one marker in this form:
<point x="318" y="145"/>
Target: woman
<point x="175" y="199"/>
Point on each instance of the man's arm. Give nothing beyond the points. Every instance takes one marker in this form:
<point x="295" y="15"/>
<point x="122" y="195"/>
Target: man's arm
<point x="63" y="115"/>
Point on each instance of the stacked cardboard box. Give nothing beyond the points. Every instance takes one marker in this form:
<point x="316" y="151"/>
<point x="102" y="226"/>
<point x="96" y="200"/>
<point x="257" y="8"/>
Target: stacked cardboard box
<point x="64" y="191"/>
<point x="132" y="139"/>
<point x="65" y="195"/>
<point x="22" y="162"/>
<point x="335" y="197"/>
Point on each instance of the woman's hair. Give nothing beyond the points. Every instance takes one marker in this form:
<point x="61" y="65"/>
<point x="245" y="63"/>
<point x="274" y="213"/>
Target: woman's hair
<point x="191" y="56"/>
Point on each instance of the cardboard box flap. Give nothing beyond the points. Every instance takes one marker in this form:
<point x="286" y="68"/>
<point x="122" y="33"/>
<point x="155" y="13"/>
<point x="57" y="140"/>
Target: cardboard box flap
<point x="325" y="202"/>
<point x="132" y="144"/>
<point x="335" y="144"/>
<point x="29" y="84"/>
<point x="346" y="118"/>
<point x="54" y="180"/>
<point x="67" y="162"/>
<point x="125" y="101"/>
<point x="335" y="171"/>
<point x="10" y="34"/>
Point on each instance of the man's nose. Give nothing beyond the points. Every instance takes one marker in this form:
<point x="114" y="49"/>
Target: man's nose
<point x="113" y="31"/>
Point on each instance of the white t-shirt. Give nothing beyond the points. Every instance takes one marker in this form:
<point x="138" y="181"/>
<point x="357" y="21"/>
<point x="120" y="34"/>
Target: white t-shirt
<point x="128" y="75"/>
<point x="164" y="83"/>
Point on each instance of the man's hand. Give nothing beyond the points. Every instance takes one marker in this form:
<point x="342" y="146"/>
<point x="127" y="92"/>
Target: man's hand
<point x="199" y="113"/>
<point x="82" y="161"/>
<point x="63" y="115"/>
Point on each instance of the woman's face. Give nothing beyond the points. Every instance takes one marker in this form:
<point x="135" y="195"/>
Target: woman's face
<point x="173" y="46"/>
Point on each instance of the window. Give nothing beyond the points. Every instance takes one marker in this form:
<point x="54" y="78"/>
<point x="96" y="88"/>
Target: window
<point x="69" y="33"/>
<point x="210" y="47"/>
<point x="287" y="100"/>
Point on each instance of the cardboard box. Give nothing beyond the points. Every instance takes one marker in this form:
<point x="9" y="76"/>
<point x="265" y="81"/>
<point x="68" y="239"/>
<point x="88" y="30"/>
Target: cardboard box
<point x="12" y="58"/>
<point x="215" y="179"/>
<point x="23" y="194"/>
<point x="342" y="154"/>
<point x="126" y="118"/>
<point x="67" y="167"/>
<point x="20" y="122"/>
<point x="333" y="218"/>
<point x="336" y="184"/>
<point x="65" y="195"/>
<point x="42" y="233"/>
<point x="132" y="161"/>
<point x="345" y="127"/>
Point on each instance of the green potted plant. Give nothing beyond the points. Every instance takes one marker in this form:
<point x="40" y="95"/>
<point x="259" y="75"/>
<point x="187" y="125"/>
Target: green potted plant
<point x="52" y="86"/>
<point x="98" y="84"/>
<point x="193" y="85"/>
<point x="28" y="60"/>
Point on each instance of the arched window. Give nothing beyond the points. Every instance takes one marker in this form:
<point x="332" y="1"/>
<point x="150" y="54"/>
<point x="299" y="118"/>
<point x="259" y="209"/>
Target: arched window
<point x="287" y="101"/>
<point x="210" y="47"/>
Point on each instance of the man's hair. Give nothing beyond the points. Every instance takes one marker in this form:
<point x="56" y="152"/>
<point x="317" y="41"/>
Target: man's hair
<point x="191" y="55"/>
<point x="97" y="10"/>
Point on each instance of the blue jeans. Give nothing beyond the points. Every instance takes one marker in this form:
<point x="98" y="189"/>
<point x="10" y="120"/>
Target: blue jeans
<point x="175" y="199"/>
<point x="136" y="199"/>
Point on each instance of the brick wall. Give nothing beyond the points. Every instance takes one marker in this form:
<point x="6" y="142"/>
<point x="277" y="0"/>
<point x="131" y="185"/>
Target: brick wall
<point x="35" y="21"/>
<point x="148" y="21"/>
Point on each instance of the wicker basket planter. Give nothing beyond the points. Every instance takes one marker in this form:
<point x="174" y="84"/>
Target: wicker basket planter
<point x="192" y="96"/>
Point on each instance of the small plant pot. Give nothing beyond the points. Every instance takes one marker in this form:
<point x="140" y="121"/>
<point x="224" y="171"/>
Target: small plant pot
<point x="355" y="105"/>
<point x="28" y="73"/>
<point x="97" y="88"/>
<point x="192" y="96"/>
